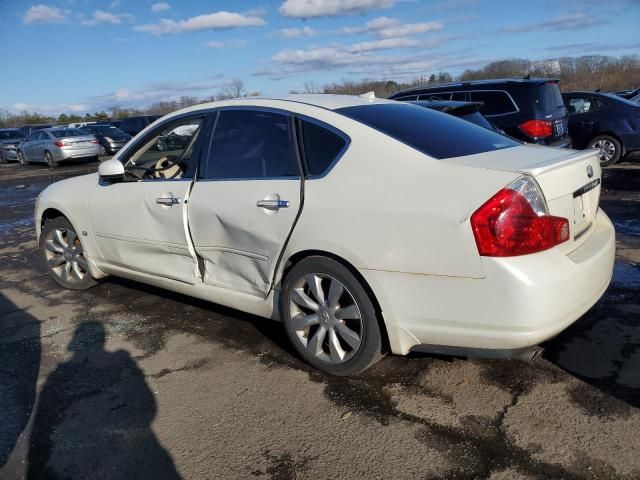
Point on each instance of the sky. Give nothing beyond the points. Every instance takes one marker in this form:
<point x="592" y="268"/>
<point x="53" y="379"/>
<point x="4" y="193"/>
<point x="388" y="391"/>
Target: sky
<point x="89" y="55"/>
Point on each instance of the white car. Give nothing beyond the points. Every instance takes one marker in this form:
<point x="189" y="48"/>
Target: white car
<point x="365" y="225"/>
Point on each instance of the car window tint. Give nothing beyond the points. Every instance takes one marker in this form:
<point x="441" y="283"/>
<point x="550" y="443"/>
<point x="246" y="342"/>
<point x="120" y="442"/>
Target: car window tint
<point x="493" y="103"/>
<point x="407" y="98"/>
<point x="321" y="147"/>
<point x="172" y="141"/>
<point x="435" y="96"/>
<point x="251" y="144"/>
<point x="579" y="105"/>
<point x="600" y="104"/>
<point x="459" y="96"/>
<point x="434" y="133"/>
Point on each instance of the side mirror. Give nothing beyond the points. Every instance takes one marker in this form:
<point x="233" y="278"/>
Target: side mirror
<point x="111" y="171"/>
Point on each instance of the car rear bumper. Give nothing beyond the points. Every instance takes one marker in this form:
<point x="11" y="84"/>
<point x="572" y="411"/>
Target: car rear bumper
<point x="520" y="302"/>
<point x="67" y="154"/>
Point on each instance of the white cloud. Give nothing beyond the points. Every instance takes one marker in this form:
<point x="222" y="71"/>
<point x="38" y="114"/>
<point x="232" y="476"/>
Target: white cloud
<point x="384" y="44"/>
<point x="330" y="8"/>
<point x="160" y="7"/>
<point x="385" y="27"/>
<point x="102" y="17"/>
<point x="215" y="44"/>
<point x="296" y="32"/>
<point x="571" y="21"/>
<point x="115" y="4"/>
<point x="44" y="14"/>
<point x="212" y="21"/>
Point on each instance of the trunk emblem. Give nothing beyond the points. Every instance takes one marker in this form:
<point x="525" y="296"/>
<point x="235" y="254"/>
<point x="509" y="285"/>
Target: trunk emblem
<point x="589" y="171"/>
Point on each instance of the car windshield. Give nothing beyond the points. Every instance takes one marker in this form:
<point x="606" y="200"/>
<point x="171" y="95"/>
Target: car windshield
<point x="10" y="135"/>
<point x="67" y="132"/>
<point x="436" y="134"/>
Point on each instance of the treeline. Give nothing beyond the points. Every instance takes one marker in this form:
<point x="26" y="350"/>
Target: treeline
<point x="582" y="73"/>
<point x="588" y="72"/>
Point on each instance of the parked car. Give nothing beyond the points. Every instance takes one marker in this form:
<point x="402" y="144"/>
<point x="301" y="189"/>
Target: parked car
<point x="29" y="129"/>
<point x="111" y="139"/>
<point x="529" y="109"/>
<point x="10" y="138"/>
<point x="115" y="123"/>
<point x="54" y="145"/>
<point x="469" y="111"/>
<point x="80" y="124"/>
<point x="606" y="122"/>
<point x="628" y="94"/>
<point x="134" y="125"/>
<point x="406" y="211"/>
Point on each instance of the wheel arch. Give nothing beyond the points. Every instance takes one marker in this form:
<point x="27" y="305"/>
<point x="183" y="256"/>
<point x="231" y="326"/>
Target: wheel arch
<point x="296" y="257"/>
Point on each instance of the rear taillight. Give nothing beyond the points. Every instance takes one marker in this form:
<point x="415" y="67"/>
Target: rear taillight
<point x="61" y="144"/>
<point x="536" y="128"/>
<point x="516" y="221"/>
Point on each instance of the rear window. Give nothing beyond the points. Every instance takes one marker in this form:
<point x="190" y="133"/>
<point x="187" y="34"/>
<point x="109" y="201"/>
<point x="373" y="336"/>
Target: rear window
<point x="436" y="134"/>
<point x="67" y="132"/>
<point x="549" y="97"/>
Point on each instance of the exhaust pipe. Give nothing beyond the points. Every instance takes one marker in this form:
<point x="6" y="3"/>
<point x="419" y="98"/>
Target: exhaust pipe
<point x="530" y="355"/>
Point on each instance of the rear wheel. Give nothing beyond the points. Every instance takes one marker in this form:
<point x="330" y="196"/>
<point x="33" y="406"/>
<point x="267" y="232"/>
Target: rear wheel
<point x="61" y="249"/>
<point x="51" y="163"/>
<point x="329" y="317"/>
<point x="21" y="159"/>
<point x="609" y="149"/>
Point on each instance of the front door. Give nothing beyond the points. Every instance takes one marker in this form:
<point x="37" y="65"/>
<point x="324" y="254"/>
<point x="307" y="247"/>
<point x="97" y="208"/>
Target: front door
<point x="140" y="224"/>
<point x="244" y="204"/>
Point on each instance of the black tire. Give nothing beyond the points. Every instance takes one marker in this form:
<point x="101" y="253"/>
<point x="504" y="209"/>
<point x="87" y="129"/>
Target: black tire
<point x="370" y="349"/>
<point x="51" y="163"/>
<point x="607" y="159"/>
<point x="103" y="151"/>
<point x="74" y="282"/>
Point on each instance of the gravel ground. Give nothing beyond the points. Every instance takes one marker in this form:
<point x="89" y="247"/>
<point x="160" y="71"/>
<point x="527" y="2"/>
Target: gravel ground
<point x="129" y="381"/>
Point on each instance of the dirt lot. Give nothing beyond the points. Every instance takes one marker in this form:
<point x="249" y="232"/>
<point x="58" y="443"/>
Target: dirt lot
<point x="128" y="381"/>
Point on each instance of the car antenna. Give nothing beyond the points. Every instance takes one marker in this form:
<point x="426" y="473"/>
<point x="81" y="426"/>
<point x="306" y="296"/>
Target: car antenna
<point x="369" y="95"/>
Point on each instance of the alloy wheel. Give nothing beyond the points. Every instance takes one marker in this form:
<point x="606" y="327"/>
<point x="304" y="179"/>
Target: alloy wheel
<point x="326" y="318"/>
<point x="65" y="256"/>
<point x="606" y="148"/>
<point x="21" y="158"/>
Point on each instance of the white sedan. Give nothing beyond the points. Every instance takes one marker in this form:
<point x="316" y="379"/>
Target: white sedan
<point x="365" y="225"/>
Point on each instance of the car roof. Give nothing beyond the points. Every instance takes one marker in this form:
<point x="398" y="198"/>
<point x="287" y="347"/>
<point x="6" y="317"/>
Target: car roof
<point x="492" y="81"/>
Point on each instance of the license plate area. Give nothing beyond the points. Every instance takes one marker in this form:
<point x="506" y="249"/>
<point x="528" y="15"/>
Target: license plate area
<point x="582" y="209"/>
<point x="559" y="128"/>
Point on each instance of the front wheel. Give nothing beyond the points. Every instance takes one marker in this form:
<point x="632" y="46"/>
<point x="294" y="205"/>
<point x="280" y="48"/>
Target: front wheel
<point x="61" y="249"/>
<point x="609" y="149"/>
<point x="329" y="317"/>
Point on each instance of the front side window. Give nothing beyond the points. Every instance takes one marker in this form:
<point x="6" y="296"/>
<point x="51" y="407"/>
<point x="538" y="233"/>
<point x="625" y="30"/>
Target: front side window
<point x="430" y="132"/>
<point x="251" y="144"/>
<point x="493" y="103"/>
<point x="321" y="147"/>
<point x="165" y="152"/>
<point x="579" y="105"/>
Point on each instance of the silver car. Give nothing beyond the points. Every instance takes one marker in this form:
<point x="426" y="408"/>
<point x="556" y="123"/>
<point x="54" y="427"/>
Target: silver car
<point x="53" y="145"/>
<point x="10" y="138"/>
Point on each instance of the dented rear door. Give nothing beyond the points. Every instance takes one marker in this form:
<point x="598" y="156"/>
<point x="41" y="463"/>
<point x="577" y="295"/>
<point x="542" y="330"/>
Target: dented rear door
<point x="245" y="202"/>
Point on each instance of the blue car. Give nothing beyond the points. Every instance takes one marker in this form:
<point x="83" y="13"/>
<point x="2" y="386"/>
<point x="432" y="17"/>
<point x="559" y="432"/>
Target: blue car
<point x="606" y="122"/>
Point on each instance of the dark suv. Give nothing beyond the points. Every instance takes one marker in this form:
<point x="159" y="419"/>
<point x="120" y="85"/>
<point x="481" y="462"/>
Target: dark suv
<point x="134" y="125"/>
<point x="530" y="109"/>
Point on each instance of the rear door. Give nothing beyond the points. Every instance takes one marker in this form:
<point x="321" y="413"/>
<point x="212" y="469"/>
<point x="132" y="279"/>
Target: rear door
<point x="582" y="119"/>
<point x="246" y="199"/>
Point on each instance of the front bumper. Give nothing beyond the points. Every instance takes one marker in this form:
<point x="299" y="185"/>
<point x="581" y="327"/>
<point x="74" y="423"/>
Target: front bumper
<point x="521" y="301"/>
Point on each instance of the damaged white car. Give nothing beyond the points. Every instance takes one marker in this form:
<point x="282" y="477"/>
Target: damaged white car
<point x="365" y="225"/>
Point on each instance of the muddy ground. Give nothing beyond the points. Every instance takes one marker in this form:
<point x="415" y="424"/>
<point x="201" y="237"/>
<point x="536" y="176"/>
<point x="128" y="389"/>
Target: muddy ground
<point x="129" y="381"/>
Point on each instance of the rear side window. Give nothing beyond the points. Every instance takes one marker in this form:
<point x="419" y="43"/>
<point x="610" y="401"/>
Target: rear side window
<point x="493" y="103"/>
<point x="321" y="147"/>
<point x="436" y="134"/>
<point x="251" y="144"/>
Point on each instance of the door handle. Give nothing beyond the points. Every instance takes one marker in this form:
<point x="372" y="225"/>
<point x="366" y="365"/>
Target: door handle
<point x="168" y="201"/>
<point x="272" y="204"/>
